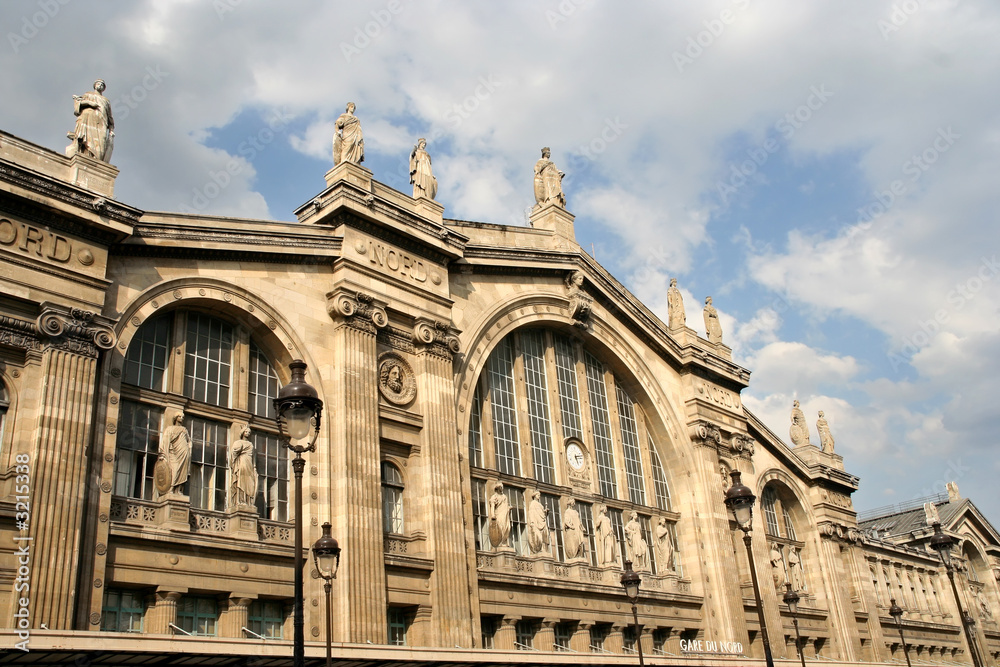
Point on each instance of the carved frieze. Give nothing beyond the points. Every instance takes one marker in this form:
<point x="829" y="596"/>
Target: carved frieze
<point x="75" y="330"/>
<point x="357" y="309"/>
<point x="18" y="333"/>
<point x="437" y="337"/>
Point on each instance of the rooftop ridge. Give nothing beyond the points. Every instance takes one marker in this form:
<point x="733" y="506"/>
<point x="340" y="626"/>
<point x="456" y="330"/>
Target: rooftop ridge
<point x="901" y="507"/>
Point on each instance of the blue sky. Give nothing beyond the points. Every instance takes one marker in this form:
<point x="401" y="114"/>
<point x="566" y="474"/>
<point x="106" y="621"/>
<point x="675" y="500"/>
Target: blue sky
<point x="886" y="320"/>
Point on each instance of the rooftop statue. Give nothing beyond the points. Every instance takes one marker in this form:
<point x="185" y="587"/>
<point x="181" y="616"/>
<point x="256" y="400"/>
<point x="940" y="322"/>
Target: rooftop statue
<point x="675" y="307"/>
<point x="712" y="327"/>
<point x="424" y="183"/>
<point x="548" y="181"/>
<point x="348" y="142"/>
<point x="825" y="437"/>
<point x="94" y="132"/>
<point x="798" y="432"/>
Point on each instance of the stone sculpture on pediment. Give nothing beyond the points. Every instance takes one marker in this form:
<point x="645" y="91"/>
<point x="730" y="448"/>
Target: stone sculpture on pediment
<point x="798" y="432"/>
<point x="605" y="535"/>
<point x="174" y="451"/>
<point x="574" y="532"/>
<point x="676" y="319"/>
<point x="498" y="510"/>
<point x="421" y="175"/>
<point x="713" y="329"/>
<point x="825" y="438"/>
<point x="548" y="182"/>
<point x="664" y="546"/>
<point x="243" y="465"/>
<point x="931" y="515"/>
<point x="348" y="140"/>
<point x="538" y="524"/>
<point x="580" y="303"/>
<point x="94" y="133"/>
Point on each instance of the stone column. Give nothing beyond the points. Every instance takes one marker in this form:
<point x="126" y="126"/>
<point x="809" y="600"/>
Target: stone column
<point x="234" y="617"/>
<point x="67" y="385"/>
<point x="843" y="639"/>
<point x="646" y="639"/>
<point x="421" y="628"/>
<point x="545" y="637"/>
<point x="580" y="641"/>
<point x="450" y="587"/>
<point x="355" y="480"/>
<point x="614" y="642"/>
<point x="163" y="612"/>
<point x="506" y="634"/>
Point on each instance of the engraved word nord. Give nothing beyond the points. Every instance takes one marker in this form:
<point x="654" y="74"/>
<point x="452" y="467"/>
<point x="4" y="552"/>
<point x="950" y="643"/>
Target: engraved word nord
<point x="397" y="262"/>
<point x="32" y="240"/>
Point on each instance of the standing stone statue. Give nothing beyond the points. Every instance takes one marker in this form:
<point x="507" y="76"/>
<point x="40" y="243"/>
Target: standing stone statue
<point x="573" y="531"/>
<point x="243" y="465"/>
<point x="499" y="512"/>
<point x="175" y="450"/>
<point x="538" y="524"/>
<point x="548" y="181"/>
<point x="778" y="566"/>
<point x="825" y="438"/>
<point x="94" y="134"/>
<point x="348" y="141"/>
<point x="636" y="549"/>
<point x="931" y="515"/>
<point x="795" y="569"/>
<point x="664" y="546"/>
<point x="676" y="319"/>
<point x="798" y="432"/>
<point x="712" y="327"/>
<point x="424" y="183"/>
<point x="605" y="537"/>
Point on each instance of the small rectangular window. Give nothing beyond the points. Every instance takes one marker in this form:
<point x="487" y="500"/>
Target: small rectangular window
<point x="488" y="626"/>
<point x="525" y="635"/>
<point x="563" y="635"/>
<point x="480" y="515"/>
<point x="122" y="611"/>
<point x="197" y="615"/>
<point x="518" y="520"/>
<point x="554" y="520"/>
<point x="137" y="443"/>
<point x="587" y="518"/>
<point x="266" y="618"/>
<point x="397" y="626"/>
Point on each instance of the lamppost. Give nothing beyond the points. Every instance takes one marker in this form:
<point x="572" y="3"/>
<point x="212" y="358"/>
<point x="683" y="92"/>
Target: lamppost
<point x="739" y="500"/>
<point x="326" y="557"/>
<point x="791" y="598"/>
<point x="298" y="407"/>
<point x="942" y="544"/>
<point x="897" y="613"/>
<point x="630" y="582"/>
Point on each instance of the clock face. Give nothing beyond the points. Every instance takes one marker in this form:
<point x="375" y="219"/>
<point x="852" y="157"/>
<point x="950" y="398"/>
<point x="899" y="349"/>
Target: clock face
<point x="574" y="454"/>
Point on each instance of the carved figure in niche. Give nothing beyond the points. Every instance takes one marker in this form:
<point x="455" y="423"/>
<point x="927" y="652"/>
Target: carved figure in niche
<point x="242" y="463"/>
<point x="574" y="531"/>
<point x="778" y="566"/>
<point x="931" y="515"/>
<point x="605" y="537"/>
<point x="712" y="327"/>
<point x="636" y="549"/>
<point x="538" y="524"/>
<point x="348" y="141"/>
<point x="548" y="181"/>
<point x="498" y="509"/>
<point x="94" y="134"/>
<point x="175" y="450"/>
<point x="580" y="303"/>
<point x="984" y="606"/>
<point x="676" y="319"/>
<point x="421" y="176"/>
<point x="798" y="431"/>
<point x="825" y="438"/>
<point x="395" y="379"/>
<point x="795" y="569"/>
<point x="664" y="546"/>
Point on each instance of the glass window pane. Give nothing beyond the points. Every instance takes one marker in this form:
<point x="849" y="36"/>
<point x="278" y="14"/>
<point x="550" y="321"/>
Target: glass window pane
<point x="630" y="446"/>
<point x="207" y="366"/>
<point x="601" y="422"/>
<point x="533" y="355"/>
<point x="146" y="359"/>
<point x="500" y="369"/>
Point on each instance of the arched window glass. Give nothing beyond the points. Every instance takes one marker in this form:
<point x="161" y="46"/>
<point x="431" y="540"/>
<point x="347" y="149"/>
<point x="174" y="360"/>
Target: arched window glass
<point x="532" y="351"/>
<point x="4" y="406"/>
<point x="789" y="526"/>
<point x="601" y="421"/>
<point x="207" y="361"/>
<point x="659" y="479"/>
<point x="392" y="499"/>
<point x="569" y="395"/>
<point x="263" y="384"/>
<point x="767" y="503"/>
<point x="630" y="446"/>
<point x="476" y="430"/>
<point x="146" y="360"/>
<point x="500" y="367"/>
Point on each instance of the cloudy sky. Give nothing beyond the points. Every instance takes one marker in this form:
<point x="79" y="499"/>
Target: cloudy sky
<point x="827" y="171"/>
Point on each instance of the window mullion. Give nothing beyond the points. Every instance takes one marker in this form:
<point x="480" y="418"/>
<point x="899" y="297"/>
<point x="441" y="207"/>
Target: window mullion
<point x="178" y="354"/>
<point x="240" y="370"/>
<point x="555" y="411"/>
<point x="614" y="417"/>
<point x="523" y="421"/>
<point x="486" y="419"/>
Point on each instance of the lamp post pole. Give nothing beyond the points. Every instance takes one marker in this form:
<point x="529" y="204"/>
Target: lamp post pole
<point x="942" y="544"/>
<point x="791" y="598"/>
<point x="630" y="581"/>
<point x="897" y="613"/>
<point x="326" y="557"/>
<point x="298" y="408"/>
<point x="739" y="500"/>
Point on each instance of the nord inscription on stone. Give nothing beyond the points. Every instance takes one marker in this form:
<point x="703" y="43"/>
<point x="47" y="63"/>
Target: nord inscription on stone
<point x="397" y="261"/>
<point x="35" y="241"/>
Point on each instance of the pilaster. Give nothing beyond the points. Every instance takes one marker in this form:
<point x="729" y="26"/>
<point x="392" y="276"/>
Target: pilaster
<point x="233" y="618"/>
<point x="580" y="641"/>
<point x="506" y="634"/>
<point x="163" y="612"/>
<point x="545" y="637"/>
<point x="614" y="642"/>
<point x="420" y="632"/>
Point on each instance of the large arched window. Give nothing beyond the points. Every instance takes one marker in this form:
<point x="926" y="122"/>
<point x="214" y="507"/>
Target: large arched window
<point x="216" y="373"/>
<point x="539" y="392"/>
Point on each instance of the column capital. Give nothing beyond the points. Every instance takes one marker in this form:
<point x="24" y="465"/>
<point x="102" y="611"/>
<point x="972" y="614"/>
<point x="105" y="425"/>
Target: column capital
<point x="436" y="337"/>
<point x="75" y="330"/>
<point x="356" y="309"/>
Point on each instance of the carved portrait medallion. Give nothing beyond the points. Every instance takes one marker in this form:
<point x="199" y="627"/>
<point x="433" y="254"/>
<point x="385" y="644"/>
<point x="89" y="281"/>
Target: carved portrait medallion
<point x="396" y="381"/>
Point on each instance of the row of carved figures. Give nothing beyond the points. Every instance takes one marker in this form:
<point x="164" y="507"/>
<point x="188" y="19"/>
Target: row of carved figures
<point x="575" y="533"/>
<point x="676" y="319"/>
<point x="799" y="432"/>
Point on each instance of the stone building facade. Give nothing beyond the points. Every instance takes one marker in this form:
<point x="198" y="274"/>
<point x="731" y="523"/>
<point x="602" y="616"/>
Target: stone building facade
<point x="465" y="368"/>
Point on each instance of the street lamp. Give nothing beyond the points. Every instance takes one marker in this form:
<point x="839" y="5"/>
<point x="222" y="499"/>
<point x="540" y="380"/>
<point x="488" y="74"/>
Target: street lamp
<point x="739" y="500"/>
<point x="791" y="598"/>
<point x="326" y="558"/>
<point x="942" y="544"/>
<point x="630" y="582"/>
<point x="897" y="613"/>
<point x="298" y="407"/>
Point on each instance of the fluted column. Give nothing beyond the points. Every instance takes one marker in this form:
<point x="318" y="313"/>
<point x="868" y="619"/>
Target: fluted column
<point x="614" y="642"/>
<point x="450" y="599"/>
<point x="545" y="636"/>
<point x="506" y="634"/>
<point x="354" y="467"/>
<point x="580" y="641"/>
<point x="163" y="613"/>
<point x="67" y="379"/>
<point x="234" y="618"/>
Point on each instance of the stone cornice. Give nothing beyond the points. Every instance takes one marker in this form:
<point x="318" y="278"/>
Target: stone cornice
<point x="18" y="333"/>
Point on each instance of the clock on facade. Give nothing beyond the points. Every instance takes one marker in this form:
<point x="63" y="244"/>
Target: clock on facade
<point x="574" y="454"/>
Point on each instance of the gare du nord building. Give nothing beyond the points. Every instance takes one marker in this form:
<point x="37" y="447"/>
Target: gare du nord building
<point x="451" y="356"/>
